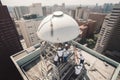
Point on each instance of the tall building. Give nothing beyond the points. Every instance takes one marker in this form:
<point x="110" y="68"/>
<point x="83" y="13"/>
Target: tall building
<point x="29" y="28"/>
<point x="82" y="13"/>
<point x="99" y="18"/>
<point x="107" y="7"/>
<point x="44" y="11"/>
<point x="20" y="11"/>
<point x="9" y="44"/>
<point x="91" y="27"/>
<point x="18" y="29"/>
<point x="97" y="8"/>
<point x="87" y="27"/>
<point x="78" y="13"/>
<point x="59" y="8"/>
<point x="48" y="10"/>
<point x="84" y="30"/>
<point x="110" y="33"/>
<point x="36" y="8"/>
<point x="11" y="12"/>
<point x="71" y="13"/>
<point x="86" y="13"/>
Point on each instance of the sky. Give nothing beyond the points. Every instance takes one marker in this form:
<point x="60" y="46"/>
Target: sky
<point x="52" y="2"/>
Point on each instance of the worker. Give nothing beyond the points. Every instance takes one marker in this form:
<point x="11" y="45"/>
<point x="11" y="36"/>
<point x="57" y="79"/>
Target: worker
<point x="81" y="59"/>
<point x="76" y="56"/>
<point x="78" y="62"/>
<point x="60" y="55"/>
<point x="71" y="49"/>
<point x="56" y="60"/>
<point x="65" y="53"/>
<point x="78" y="69"/>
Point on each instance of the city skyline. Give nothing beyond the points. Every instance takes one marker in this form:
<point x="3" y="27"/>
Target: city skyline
<point x="50" y="3"/>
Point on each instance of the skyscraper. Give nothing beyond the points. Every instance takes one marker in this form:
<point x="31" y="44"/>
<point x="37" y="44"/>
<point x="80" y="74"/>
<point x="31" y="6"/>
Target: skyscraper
<point x="9" y="44"/>
<point x="110" y="33"/>
<point x="99" y="18"/>
<point x="29" y="28"/>
<point x="78" y="13"/>
<point x="107" y="7"/>
<point x="82" y="13"/>
<point x="44" y="11"/>
<point x="71" y="13"/>
<point x="59" y="8"/>
<point x="36" y="8"/>
<point x="19" y="11"/>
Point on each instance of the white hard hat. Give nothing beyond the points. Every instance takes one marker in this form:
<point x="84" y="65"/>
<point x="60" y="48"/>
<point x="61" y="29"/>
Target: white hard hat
<point x="78" y="66"/>
<point x="59" y="48"/>
<point x="66" y="45"/>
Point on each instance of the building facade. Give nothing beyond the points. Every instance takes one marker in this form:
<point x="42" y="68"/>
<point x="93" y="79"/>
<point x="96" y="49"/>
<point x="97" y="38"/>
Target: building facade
<point x="71" y="13"/>
<point x="19" y="11"/>
<point x="99" y="18"/>
<point x="36" y="8"/>
<point x="87" y="27"/>
<point x="82" y="13"/>
<point x="18" y="29"/>
<point x="9" y="44"/>
<point x="107" y="7"/>
<point x="29" y="29"/>
<point x="110" y="32"/>
<point x="44" y="11"/>
<point x="58" y="7"/>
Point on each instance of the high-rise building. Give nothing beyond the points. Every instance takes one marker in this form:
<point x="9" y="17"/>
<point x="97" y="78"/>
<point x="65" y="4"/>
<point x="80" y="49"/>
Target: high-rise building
<point x="99" y="18"/>
<point x="59" y="8"/>
<point x="86" y="13"/>
<point x="110" y="32"/>
<point x="97" y="8"/>
<point x="44" y="11"/>
<point x="82" y="13"/>
<point x="99" y="46"/>
<point x="20" y="11"/>
<point x="107" y="7"/>
<point x="71" y="13"/>
<point x="78" y="13"/>
<point x="29" y="28"/>
<point x="18" y="29"/>
<point x="50" y="9"/>
<point x="11" y="12"/>
<point x="9" y="44"/>
<point x="36" y="8"/>
<point x="84" y="30"/>
<point x="87" y="27"/>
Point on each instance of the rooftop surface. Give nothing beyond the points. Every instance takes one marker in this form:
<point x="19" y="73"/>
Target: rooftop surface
<point x="28" y="63"/>
<point x="98" y="69"/>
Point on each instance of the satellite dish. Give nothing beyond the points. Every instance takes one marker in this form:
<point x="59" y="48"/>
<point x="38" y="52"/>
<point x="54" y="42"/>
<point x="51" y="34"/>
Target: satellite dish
<point x="57" y="28"/>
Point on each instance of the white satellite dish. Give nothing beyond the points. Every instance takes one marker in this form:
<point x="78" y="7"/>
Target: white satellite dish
<point x="57" y="28"/>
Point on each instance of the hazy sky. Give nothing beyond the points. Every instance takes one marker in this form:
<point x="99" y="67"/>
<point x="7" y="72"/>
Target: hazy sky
<point x="51" y="2"/>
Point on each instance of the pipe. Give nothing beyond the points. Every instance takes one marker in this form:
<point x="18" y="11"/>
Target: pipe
<point x="96" y="54"/>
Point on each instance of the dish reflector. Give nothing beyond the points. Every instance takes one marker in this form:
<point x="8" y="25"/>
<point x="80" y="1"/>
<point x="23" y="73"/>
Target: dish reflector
<point x="57" y="28"/>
